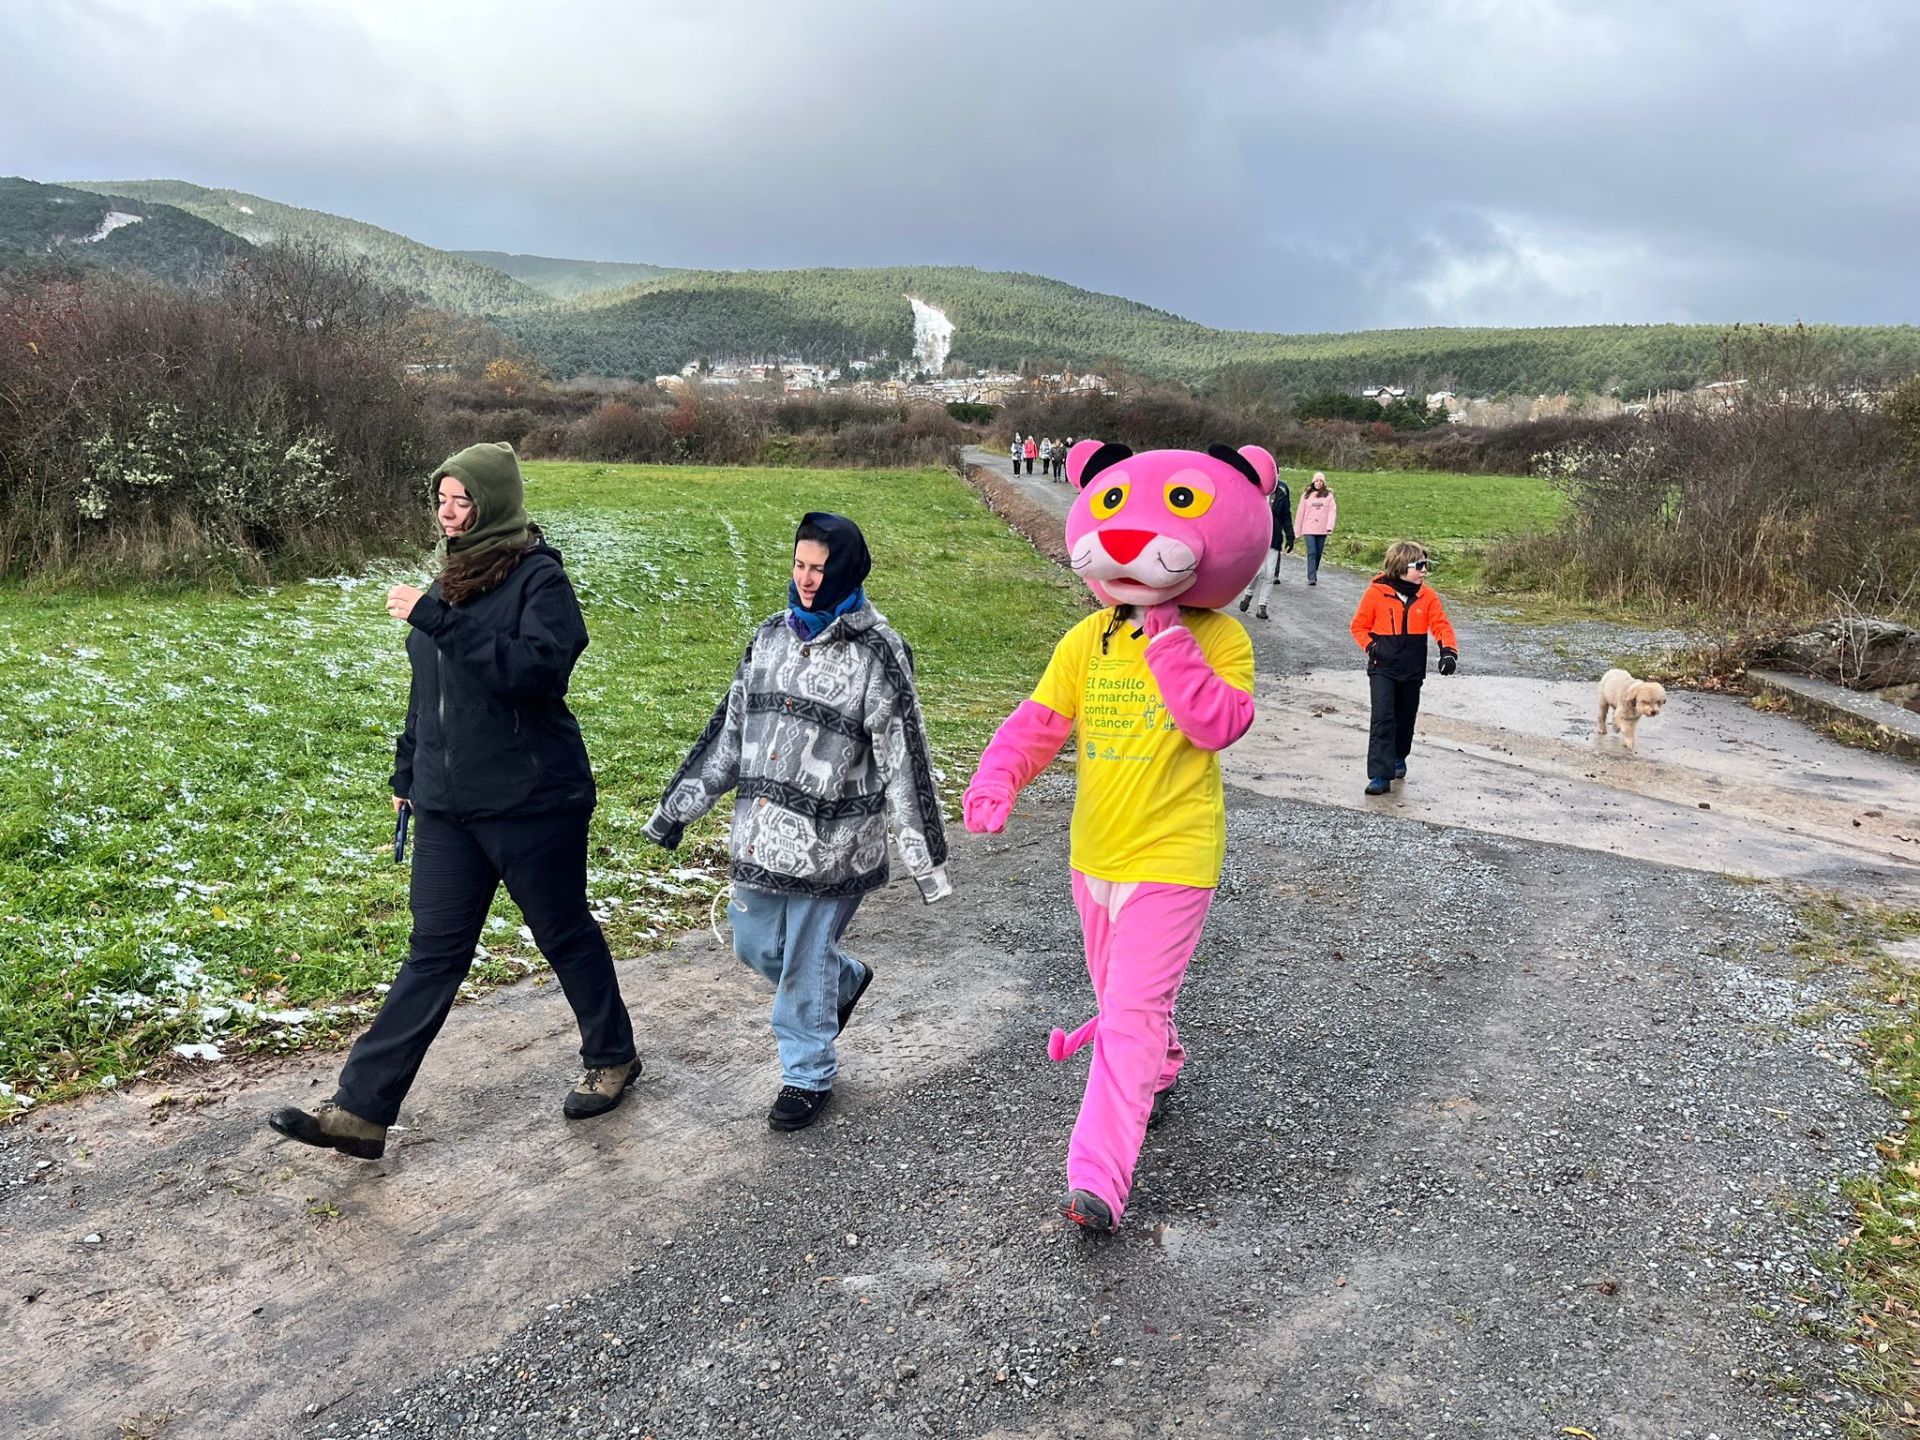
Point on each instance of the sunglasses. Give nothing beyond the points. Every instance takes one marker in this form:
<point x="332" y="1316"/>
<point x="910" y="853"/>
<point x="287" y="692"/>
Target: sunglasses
<point x="1420" y="565"/>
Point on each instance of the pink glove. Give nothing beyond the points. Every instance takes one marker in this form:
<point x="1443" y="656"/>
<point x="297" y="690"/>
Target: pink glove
<point x="985" y="810"/>
<point x="1161" y="618"/>
<point x="1021" y="748"/>
<point x="1210" y="712"/>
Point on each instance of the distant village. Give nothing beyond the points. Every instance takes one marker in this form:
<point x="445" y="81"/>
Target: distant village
<point x="798" y="377"/>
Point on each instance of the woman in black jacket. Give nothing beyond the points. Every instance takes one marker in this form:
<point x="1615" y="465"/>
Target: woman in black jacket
<point x="492" y="765"/>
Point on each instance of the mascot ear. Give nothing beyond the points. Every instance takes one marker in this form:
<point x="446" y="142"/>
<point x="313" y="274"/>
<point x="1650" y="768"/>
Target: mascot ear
<point x="1088" y="458"/>
<point x="1251" y="461"/>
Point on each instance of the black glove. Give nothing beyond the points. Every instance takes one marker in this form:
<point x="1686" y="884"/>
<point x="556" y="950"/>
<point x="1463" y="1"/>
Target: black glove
<point x="1449" y="661"/>
<point x="1289" y="544"/>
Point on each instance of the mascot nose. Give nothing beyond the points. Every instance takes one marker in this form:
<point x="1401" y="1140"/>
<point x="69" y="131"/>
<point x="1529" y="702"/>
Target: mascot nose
<point x="1125" y="545"/>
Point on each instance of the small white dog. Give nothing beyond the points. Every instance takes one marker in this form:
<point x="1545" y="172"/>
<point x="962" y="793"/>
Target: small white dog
<point x="1631" y="701"/>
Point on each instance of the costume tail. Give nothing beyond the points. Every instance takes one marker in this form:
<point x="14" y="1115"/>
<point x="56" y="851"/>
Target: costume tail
<point x="1060" y="1044"/>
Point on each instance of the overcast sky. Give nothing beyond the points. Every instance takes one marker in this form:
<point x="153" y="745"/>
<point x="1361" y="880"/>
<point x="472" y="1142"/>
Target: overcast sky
<point x="1289" y="166"/>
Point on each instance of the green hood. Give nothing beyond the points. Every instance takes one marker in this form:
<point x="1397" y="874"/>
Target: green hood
<point x="491" y="473"/>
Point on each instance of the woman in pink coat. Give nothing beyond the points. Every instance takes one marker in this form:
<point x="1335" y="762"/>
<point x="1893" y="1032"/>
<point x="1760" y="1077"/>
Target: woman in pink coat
<point x="1032" y="452"/>
<point x="1314" y="521"/>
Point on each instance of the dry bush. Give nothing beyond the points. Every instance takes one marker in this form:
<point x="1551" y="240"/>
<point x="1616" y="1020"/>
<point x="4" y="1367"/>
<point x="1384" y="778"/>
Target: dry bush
<point x="1775" y="505"/>
<point x="267" y="427"/>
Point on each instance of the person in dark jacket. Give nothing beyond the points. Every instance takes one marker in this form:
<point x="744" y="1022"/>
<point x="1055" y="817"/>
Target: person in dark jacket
<point x="493" y="768"/>
<point x="1396" y="614"/>
<point x="1261" y="586"/>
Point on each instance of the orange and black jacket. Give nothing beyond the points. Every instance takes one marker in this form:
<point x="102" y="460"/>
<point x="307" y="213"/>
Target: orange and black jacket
<point x="1392" y="625"/>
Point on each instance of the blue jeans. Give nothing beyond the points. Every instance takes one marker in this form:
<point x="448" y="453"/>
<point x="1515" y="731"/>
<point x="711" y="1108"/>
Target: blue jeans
<point x="794" y="942"/>
<point x="1315" y="544"/>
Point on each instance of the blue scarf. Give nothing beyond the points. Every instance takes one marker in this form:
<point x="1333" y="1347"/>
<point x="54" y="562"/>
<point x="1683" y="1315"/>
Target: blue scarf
<point x="809" y="623"/>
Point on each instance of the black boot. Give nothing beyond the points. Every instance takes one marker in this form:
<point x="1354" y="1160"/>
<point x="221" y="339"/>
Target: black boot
<point x="331" y="1128"/>
<point x="1089" y="1212"/>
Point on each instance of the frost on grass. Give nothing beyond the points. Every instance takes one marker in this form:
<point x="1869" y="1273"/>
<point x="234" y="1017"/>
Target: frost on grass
<point x="198" y="845"/>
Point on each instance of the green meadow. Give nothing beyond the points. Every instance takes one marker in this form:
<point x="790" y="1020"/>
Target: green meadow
<point x="1454" y="516"/>
<point x="195" y="837"/>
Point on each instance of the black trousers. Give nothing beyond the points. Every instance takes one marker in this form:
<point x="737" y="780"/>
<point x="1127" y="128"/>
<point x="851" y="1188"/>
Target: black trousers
<point x="1390" y="735"/>
<point x="457" y="867"/>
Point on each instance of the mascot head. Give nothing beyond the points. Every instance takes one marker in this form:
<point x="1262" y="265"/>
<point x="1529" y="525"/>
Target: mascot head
<point x="1169" y="524"/>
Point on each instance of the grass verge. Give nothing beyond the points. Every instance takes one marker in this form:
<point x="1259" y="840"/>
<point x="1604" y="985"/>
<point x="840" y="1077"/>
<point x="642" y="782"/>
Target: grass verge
<point x="194" y="831"/>
<point x="1880" y="1260"/>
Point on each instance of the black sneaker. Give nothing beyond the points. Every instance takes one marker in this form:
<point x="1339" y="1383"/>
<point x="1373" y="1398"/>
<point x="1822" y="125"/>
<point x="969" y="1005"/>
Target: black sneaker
<point x="1158" y="1111"/>
<point x="795" y="1109"/>
<point x="1245" y="601"/>
<point x="1089" y="1212"/>
<point x="846" y="1010"/>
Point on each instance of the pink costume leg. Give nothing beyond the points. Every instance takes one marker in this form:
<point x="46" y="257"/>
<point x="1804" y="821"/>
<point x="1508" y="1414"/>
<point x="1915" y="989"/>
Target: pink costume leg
<point x="1138" y="946"/>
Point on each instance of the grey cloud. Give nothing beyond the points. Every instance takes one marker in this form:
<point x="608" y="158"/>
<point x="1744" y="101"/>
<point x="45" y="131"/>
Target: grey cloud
<point x="1328" y="166"/>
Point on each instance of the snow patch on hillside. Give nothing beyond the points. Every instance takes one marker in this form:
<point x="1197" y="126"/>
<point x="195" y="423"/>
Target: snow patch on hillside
<point x="114" y="221"/>
<point x="932" y="335"/>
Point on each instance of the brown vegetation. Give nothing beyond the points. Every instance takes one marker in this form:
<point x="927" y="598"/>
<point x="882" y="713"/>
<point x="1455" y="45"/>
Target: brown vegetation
<point x="263" y="427"/>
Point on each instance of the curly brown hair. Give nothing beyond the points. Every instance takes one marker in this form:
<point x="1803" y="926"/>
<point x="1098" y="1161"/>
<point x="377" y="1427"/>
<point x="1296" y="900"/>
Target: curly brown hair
<point x="462" y="580"/>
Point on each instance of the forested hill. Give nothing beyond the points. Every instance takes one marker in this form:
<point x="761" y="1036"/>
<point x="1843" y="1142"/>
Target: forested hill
<point x="41" y="224"/>
<point x="566" y="279"/>
<point x="654" y="320"/>
<point x="1012" y="320"/>
<point x="440" y="277"/>
<point x="1000" y="319"/>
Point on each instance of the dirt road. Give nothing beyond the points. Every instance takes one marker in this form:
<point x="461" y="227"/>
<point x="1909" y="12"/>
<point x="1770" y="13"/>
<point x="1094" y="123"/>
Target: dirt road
<point x="1492" y="1128"/>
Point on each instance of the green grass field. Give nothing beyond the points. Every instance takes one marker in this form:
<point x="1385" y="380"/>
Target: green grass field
<point x="1454" y="516"/>
<point x="194" y="829"/>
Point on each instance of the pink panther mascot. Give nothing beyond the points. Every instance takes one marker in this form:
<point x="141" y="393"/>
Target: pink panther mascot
<point x="1157" y="684"/>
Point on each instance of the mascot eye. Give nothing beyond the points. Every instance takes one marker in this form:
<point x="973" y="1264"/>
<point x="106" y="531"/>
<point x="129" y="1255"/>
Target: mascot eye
<point x="1185" y="500"/>
<point x="1109" y="500"/>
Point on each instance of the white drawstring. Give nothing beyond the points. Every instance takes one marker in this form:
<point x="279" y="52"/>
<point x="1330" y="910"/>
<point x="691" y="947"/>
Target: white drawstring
<point x="713" y="922"/>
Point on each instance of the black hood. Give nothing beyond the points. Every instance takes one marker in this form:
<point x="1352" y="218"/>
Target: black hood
<point x="848" y="563"/>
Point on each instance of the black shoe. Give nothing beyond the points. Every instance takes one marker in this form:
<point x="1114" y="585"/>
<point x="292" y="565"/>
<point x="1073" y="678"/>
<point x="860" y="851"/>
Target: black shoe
<point x="846" y="1010"/>
<point x="795" y="1109"/>
<point x="599" y="1091"/>
<point x="331" y="1128"/>
<point x="1377" y="786"/>
<point x="1261" y="613"/>
<point x="1245" y="601"/>
<point x="1400" y="770"/>
<point x="1158" y="1111"/>
<point x="1089" y="1212"/>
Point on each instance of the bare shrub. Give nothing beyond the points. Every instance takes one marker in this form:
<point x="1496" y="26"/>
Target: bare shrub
<point x="1773" y="505"/>
<point x="262" y="428"/>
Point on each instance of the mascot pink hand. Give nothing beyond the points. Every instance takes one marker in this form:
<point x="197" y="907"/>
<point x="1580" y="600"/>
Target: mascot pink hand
<point x="1161" y="618"/>
<point x="1021" y="748"/>
<point x="1209" y="711"/>
<point x="985" y="811"/>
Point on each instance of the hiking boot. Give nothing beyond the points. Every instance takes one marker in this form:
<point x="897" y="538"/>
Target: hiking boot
<point x="795" y="1108"/>
<point x="1089" y="1212"/>
<point x="1158" y="1110"/>
<point x="846" y="1010"/>
<point x="1378" y="786"/>
<point x="1245" y="601"/>
<point x="331" y="1128"/>
<point x="1261" y="613"/>
<point x="1399" y="769"/>
<point x="600" y="1090"/>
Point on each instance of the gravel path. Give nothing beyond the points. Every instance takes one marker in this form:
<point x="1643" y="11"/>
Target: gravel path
<point x="1480" y="1137"/>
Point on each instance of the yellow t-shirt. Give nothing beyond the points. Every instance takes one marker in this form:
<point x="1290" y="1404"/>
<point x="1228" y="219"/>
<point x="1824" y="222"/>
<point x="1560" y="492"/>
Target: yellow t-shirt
<point x="1150" y="806"/>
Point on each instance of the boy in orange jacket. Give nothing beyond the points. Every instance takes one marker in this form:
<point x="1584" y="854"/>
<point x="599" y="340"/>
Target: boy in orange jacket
<point x="1397" y="613"/>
